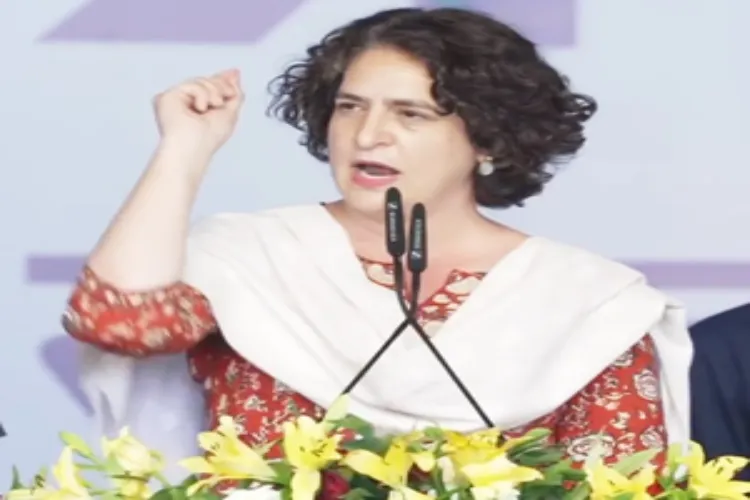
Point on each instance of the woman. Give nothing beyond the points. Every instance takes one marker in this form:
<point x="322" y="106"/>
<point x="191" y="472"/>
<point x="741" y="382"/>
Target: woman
<point x="458" y="111"/>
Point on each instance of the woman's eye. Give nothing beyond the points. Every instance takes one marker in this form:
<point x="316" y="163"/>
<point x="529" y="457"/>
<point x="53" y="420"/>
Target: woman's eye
<point x="411" y="114"/>
<point x="345" y="105"/>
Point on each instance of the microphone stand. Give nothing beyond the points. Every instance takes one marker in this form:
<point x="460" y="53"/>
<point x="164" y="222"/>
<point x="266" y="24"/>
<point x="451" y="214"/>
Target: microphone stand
<point x="417" y="263"/>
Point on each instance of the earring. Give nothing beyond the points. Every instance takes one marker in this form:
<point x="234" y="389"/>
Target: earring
<point x="486" y="167"/>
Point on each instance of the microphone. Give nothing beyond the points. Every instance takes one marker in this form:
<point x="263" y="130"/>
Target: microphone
<point x="417" y="257"/>
<point x="417" y="264"/>
<point x="418" y="239"/>
<point x="395" y="239"/>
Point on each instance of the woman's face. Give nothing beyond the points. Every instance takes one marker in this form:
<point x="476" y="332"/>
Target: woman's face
<point x="386" y="130"/>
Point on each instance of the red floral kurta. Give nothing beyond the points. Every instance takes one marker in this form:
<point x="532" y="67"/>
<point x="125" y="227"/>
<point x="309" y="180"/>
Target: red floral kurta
<point x="621" y="406"/>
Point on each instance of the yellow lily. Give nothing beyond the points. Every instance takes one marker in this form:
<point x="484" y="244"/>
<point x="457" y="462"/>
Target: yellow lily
<point x="421" y="449"/>
<point x="607" y="483"/>
<point x="67" y="475"/>
<point x="228" y="458"/>
<point x="337" y="411"/>
<point x="391" y="470"/>
<point x="134" y="457"/>
<point x="480" y="459"/>
<point x="477" y="447"/>
<point x="133" y="489"/>
<point x="715" y="478"/>
<point x="497" y="477"/>
<point x="309" y="447"/>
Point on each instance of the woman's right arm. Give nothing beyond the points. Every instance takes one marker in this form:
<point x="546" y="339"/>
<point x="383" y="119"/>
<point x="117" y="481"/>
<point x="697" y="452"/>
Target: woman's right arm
<point x="131" y="286"/>
<point x="144" y="246"/>
<point x="160" y="321"/>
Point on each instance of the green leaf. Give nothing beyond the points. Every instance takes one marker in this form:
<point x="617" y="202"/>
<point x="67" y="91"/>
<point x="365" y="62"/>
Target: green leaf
<point x="188" y="481"/>
<point x="635" y="462"/>
<point x="538" y="458"/>
<point x="623" y="496"/>
<point x="561" y="474"/>
<point x="538" y="443"/>
<point x="205" y="495"/>
<point x="438" y="483"/>
<point x="358" y="494"/>
<point x="538" y="434"/>
<point x="356" y="424"/>
<point x="283" y="471"/>
<point x="434" y="433"/>
<point x="535" y="438"/>
<point x="40" y="478"/>
<point x="679" y="495"/>
<point x="346" y="474"/>
<point x="581" y="492"/>
<point x="77" y="444"/>
<point x="373" y="444"/>
<point x="536" y="491"/>
<point x="171" y="493"/>
<point x="89" y="467"/>
<point x="111" y="466"/>
<point x="16" y="483"/>
<point x="376" y="491"/>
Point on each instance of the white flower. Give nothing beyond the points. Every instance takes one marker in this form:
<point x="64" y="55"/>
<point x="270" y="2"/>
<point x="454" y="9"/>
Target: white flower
<point x="445" y="465"/>
<point x="261" y="493"/>
<point x="498" y="491"/>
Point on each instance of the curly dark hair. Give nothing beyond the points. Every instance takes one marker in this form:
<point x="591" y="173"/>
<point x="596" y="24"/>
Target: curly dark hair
<point x="516" y="107"/>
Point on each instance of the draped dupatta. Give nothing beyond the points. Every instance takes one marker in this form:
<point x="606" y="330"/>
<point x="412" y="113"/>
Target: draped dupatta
<point x="289" y="295"/>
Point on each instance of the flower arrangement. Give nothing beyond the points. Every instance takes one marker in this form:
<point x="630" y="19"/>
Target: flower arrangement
<point x="341" y="457"/>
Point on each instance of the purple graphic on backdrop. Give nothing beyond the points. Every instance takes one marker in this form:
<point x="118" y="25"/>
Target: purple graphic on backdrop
<point x="548" y="22"/>
<point x="58" y="352"/>
<point x="172" y="21"/>
<point x="701" y="275"/>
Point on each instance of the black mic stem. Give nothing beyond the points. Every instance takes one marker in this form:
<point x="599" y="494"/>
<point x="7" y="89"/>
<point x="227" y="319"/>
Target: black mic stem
<point x="417" y="263"/>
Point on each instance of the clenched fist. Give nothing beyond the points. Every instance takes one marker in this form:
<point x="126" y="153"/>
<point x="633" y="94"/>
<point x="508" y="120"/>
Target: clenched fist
<point x="201" y="112"/>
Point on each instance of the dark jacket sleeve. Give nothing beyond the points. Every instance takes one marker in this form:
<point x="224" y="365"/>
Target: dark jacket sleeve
<point x="720" y="384"/>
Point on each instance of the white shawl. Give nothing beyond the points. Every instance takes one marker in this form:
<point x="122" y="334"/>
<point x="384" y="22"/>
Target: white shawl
<point x="289" y="295"/>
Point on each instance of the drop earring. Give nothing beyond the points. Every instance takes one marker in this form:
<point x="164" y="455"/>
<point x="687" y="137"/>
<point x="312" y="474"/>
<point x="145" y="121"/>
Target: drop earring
<point x="485" y="167"/>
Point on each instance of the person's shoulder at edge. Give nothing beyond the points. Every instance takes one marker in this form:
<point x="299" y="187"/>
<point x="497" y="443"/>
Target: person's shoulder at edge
<point x="731" y="323"/>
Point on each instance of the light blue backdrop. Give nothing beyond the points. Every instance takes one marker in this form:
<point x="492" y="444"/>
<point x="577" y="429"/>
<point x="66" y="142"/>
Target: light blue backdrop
<point x="660" y="185"/>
